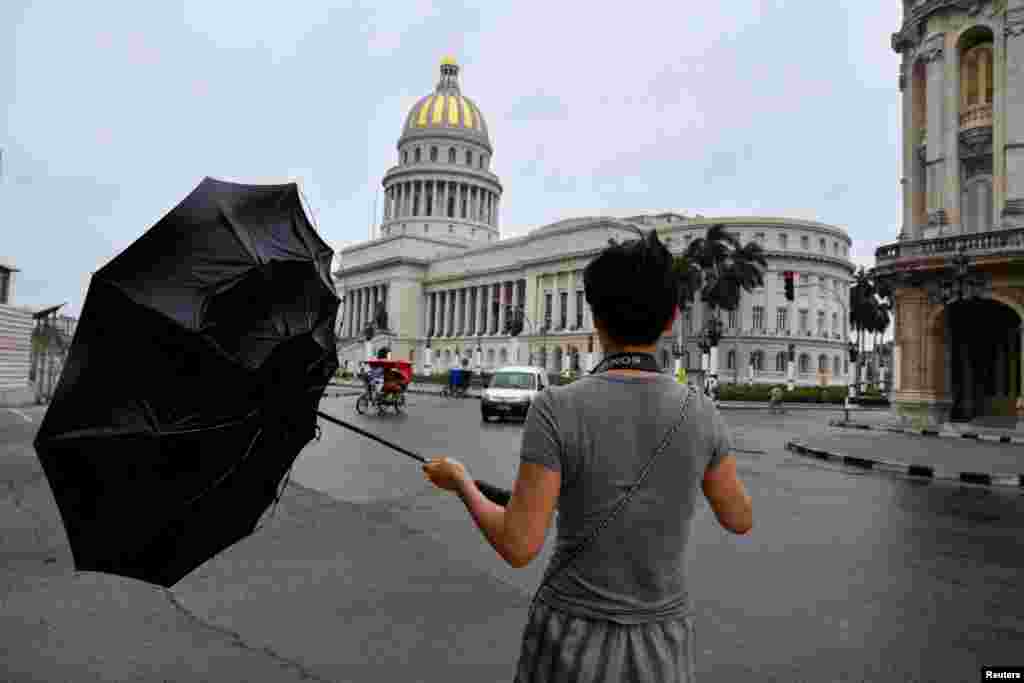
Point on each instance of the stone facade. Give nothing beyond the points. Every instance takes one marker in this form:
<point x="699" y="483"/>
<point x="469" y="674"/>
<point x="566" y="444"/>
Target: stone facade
<point x="962" y="83"/>
<point x="447" y="278"/>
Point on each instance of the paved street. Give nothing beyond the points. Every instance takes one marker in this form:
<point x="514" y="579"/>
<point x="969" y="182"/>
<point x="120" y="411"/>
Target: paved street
<point x="878" y="576"/>
<point x="847" y="575"/>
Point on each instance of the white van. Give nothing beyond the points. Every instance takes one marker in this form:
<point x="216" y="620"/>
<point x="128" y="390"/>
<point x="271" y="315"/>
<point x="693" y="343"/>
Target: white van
<point x="511" y="391"/>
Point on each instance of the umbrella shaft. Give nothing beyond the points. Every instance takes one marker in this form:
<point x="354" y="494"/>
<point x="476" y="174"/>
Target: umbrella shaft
<point x="371" y="436"/>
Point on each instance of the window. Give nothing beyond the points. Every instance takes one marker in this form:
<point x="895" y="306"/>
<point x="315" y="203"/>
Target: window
<point x="563" y="313"/>
<point x="469" y="158"/>
<point x="836" y="366"/>
<point x="803" y="321"/>
<point x="417" y="155"/>
<point x="782" y="241"/>
<point x="805" y="243"/>
<point x="481" y="160"/>
<point x="757" y="360"/>
<point x="822" y="363"/>
<point x="451" y="155"/>
<point x="433" y="153"/>
<point x="805" y="363"/>
<point x="734" y="319"/>
<point x="821" y="324"/>
<point x="835" y="325"/>
<point x="782" y="319"/>
<point x="846" y="366"/>
<point x="547" y="311"/>
<point x="780" y="361"/>
<point x="835" y="248"/>
<point x="579" y="310"/>
<point x="730" y="360"/>
<point x="5" y="286"/>
<point x="758" y="317"/>
<point x="821" y="245"/>
<point x="405" y="157"/>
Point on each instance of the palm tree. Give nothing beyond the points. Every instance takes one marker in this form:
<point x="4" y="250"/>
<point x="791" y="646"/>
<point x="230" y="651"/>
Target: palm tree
<point x="690" y="279"/>
<point x="728" y="269"/>
<point x="870" y="311"/>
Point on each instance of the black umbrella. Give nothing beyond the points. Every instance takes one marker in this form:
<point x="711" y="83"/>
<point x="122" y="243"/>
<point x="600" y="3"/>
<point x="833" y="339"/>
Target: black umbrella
<point x="192" y="382"/>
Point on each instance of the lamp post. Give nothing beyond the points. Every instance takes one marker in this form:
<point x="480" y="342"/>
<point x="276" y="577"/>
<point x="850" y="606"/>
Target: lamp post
<point x="960" y="284"/>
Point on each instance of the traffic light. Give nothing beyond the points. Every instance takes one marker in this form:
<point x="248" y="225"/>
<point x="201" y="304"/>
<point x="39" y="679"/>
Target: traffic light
<point x="787" y="276"/>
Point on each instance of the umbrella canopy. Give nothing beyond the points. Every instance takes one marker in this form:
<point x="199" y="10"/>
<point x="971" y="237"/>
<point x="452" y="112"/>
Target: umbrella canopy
<point x="192" y="382"/>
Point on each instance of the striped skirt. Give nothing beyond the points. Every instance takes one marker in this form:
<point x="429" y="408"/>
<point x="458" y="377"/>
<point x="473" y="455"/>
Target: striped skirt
<point x="564" y="648"/>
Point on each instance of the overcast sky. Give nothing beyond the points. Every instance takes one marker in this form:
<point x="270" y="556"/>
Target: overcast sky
<point x="116" y="110"/>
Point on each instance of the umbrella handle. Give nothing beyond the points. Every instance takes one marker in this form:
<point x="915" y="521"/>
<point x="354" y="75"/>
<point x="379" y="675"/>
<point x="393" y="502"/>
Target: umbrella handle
<point x="496" y="495"/>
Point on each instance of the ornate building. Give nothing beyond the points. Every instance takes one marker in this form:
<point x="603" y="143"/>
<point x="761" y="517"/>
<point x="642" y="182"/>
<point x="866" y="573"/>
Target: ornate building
<point x="446" y="279"/>
<point x="954" y="268"/>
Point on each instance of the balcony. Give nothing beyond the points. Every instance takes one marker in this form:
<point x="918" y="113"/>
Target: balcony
<point x="1001" y="242"/>
<point x="976" y="116"/>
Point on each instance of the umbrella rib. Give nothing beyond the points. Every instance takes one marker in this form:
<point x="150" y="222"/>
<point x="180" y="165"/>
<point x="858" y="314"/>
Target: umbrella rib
<point x="230" y="471"/>
<point x="240" y="233"/>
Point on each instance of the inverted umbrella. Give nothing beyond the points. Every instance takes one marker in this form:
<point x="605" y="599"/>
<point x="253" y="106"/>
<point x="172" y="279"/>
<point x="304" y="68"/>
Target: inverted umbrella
<point x="192" y="382"/>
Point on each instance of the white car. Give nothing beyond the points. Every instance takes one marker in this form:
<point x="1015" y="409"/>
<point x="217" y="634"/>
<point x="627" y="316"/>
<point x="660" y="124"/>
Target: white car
<point x="511" y="391"/>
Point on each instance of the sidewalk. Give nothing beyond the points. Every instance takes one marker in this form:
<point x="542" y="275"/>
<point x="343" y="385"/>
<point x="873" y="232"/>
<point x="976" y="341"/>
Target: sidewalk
<point x="325" y="591"/>
<point x="971" y="461"/>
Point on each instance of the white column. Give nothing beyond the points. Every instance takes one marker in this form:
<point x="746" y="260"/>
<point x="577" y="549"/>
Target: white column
<point x="501" y="307"/>
<point x="572" y="298"/>
<point x="936" y="128"/>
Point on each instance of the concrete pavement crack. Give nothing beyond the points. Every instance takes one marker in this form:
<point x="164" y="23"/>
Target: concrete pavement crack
<point x="239" y="641"/>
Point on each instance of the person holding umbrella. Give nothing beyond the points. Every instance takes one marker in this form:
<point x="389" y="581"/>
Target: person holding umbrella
<point x="614" y="604"/>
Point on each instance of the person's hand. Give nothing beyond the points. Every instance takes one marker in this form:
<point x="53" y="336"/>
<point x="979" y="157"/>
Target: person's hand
<point x="446" y="473"/>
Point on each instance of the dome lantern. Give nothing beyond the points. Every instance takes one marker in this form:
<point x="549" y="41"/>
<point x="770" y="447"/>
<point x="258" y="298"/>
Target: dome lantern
<point x="449" y="76"/>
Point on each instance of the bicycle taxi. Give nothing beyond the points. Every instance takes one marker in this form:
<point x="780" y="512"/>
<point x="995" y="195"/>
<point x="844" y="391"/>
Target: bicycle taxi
<point x="386" y="384"/>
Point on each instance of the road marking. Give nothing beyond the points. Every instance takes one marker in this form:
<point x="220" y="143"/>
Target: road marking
<point x="20" y="414"/>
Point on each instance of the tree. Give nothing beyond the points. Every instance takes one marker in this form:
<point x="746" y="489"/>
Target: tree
<point x="690" y="279"/>
<point x="728" y="268"/>
<point x="870" y="310"/>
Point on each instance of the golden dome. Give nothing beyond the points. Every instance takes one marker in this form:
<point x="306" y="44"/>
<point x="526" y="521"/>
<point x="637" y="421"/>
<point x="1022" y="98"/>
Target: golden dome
<point x="446" y="109"/>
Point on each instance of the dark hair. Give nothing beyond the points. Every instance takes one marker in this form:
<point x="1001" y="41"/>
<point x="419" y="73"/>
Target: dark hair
<point x="632" y="289"/>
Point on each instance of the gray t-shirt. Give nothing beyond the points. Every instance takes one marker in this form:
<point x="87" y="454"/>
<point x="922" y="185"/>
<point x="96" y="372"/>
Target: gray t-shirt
<point x="599" y="432"/>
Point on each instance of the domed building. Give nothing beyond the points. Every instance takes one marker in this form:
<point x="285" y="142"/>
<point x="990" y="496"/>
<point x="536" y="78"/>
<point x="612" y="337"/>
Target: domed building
<point x="447" y="281"/>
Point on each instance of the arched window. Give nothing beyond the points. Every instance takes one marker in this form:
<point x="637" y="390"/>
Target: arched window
<point x="433" y="153"/>
<point x="780" y="361"/>
<point x="417" y="155"/>
<point x="451" y="155"/>
<point x="730" y="360"/>
<point x="805" y="363"/>
<point x="757" y="360"/>
<point x="822" y="363"/>
<point x="836" y="366"/>
<point x="469" y="158"/>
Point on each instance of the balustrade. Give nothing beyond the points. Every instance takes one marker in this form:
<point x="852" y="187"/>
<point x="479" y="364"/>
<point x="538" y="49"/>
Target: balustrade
<point x="996" y="240"/>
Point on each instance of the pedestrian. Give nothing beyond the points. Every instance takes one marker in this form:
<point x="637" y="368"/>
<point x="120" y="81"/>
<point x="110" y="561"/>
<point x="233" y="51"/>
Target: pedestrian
<point x="614" y="604"/>
<point x="776" y="400"/>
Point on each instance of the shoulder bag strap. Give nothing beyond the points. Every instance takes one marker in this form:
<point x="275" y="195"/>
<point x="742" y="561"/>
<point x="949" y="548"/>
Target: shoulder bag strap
<point x="587" y="542"/>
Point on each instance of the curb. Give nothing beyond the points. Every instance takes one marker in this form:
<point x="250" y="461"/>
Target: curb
<point x="923" y="471"/>
<point x="975" y="436"/>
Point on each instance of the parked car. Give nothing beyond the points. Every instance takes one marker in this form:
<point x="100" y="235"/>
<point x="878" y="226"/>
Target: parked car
<point x="511" y="390"/>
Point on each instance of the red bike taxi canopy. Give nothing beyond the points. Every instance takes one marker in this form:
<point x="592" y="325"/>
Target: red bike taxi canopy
<point x="402" y="366"/>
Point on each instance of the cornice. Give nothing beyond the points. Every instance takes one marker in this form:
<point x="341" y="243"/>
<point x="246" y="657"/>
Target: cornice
<point x="913" y="26"/>
<point x="443" y="135"/>
<point x="383" y="263"/>
<point x="439" y="171"/>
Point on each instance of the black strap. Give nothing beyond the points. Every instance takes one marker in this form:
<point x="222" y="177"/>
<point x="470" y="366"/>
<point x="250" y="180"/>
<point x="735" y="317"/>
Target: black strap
<point x="585" y="543"/>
